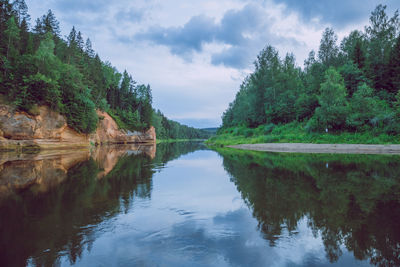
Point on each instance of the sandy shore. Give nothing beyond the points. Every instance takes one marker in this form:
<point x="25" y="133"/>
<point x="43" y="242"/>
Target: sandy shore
<point x="322" y="148"/>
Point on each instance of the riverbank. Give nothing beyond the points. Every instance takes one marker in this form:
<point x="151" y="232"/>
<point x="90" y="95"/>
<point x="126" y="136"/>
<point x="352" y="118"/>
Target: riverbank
<point x="47" y="129"/>
<point x="296" y="133"/>
<point x="321" y="148"/>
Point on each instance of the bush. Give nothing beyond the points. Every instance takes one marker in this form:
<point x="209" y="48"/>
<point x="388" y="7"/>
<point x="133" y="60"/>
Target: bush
<point x="268" y="128"/>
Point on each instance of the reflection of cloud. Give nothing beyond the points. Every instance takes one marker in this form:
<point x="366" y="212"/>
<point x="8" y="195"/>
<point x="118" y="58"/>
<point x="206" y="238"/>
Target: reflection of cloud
<point x="228" y="239"/>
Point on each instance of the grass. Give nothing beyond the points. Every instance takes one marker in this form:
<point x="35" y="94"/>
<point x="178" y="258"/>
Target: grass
<point x="296" y="133"/>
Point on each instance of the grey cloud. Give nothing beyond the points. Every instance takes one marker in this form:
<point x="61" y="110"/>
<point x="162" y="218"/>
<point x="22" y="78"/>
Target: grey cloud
<point x="235" y="57"/>
<point x="82" y="5"/>
<point x="232" y="30"/>
<point x="131" y="15"/>
<point x="339" y="13"/>
<point x="182" y="40"/>
<point x="235" y="24"/>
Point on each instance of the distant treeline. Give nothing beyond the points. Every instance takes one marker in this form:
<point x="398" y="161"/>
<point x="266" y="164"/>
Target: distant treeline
<point x="169" y="129"/>
<point x="39" y="67"/>
<point x="349" y="87"/>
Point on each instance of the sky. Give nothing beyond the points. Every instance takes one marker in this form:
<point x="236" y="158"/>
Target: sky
<point x="195" y="53"/>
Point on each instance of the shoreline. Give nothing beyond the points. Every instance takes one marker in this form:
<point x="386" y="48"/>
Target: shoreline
<point x="321" y="148"/>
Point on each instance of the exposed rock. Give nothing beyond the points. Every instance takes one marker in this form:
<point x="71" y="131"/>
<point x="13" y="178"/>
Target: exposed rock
<point x="49" y="130"/>
<point x="107" y="132"/>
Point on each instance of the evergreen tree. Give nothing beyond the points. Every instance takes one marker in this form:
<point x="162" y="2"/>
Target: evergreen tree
<point x="51" y="24"/>
<point x="79" y="41"/>
<point x="381" y="34"/>
<point x="328" y="49"/>
<point x="21" y="11"/>
<point x="394" y="68"/>
<point x="88" y="48"/>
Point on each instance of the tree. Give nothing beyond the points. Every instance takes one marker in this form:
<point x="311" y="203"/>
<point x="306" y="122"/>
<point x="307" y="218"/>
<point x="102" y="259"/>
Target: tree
<point x="79" y="41"/>
<point x="381" y="34"/>
<point x="51" y="24"/>
<point x="354" y="48"/>
<point x="352" y="76"/>
<point x="21" y="11"/>
<point x="12" y="35"/>
<point x="88" y="49"/>
<point x="363" y="107"/>
<point x="333" y="104"/>
<point x="394" y="68"/>
<point x="328" y="50"/>
<point x="262" y="92"/>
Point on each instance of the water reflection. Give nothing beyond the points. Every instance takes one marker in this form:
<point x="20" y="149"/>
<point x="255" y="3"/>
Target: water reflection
<point x="352" y="201"/>
<point x="54" y="204"/>
<point x="164" y="205"/>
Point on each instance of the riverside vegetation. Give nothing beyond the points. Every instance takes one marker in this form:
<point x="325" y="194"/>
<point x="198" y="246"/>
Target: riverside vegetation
<point x="347" y="93"/>
<point x="39" y="67"/>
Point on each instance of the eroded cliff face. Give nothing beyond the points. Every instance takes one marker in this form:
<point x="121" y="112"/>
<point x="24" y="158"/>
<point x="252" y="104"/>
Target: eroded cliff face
<point x="49" y="130"/>
<point x="107" y="132"/>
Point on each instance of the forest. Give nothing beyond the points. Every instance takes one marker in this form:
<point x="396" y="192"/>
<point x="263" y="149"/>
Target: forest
<point x="351" y="87"/>
<point x="40" y="67"/>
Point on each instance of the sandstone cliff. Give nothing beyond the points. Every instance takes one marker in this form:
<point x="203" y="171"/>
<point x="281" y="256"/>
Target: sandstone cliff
<point x="49" y="130"/>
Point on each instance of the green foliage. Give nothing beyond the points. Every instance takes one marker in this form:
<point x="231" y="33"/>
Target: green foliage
<point x="168" y="129"/>
<point x="297" y="133"/>
<point x="348" y="89"/>
<point x="41" y="68"/>
<point x="331" y="114"/>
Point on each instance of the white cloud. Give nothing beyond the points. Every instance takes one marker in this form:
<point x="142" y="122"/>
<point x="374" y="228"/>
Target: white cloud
<point x="195" y="86"/>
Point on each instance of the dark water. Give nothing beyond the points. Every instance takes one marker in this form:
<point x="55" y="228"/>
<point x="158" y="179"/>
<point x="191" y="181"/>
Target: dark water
<point x="186" y="205"/>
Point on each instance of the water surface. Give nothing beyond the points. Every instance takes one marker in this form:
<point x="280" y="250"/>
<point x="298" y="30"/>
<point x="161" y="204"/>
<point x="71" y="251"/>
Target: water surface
<point x="181" y="204"/>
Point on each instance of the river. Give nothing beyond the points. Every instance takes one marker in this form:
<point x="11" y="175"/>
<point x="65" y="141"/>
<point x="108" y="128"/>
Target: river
<point x="182" y="204"/>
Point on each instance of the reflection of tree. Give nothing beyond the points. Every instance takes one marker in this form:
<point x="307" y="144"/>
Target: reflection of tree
<point x="64" y="219"/>
<point x="349" y="199"/>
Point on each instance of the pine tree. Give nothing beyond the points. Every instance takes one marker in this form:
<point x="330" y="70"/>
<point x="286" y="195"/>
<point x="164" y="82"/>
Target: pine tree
<point x="25" y="37"/>
<point x="51" y="24"/>
<point x="394" y="67"/>
<point x="88" y="48"/>
<point x="21" y="11"/>
<point x="79" y="41"/>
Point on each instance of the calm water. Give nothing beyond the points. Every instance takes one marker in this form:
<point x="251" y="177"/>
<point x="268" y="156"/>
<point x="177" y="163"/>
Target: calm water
<point x="185" y="205"/>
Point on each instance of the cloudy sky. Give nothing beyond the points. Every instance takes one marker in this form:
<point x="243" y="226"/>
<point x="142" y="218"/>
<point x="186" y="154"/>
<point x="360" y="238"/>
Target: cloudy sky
<point x="195" y="53"/>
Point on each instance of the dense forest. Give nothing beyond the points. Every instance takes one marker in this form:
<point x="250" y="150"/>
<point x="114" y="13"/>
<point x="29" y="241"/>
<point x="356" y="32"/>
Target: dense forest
<point x="39" y="67"/>
<point x="348" y="87"/>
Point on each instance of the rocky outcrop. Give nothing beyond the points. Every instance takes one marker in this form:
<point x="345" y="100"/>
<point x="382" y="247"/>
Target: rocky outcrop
<point x="107" y="132"/>
<point x="49" y="130"/>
